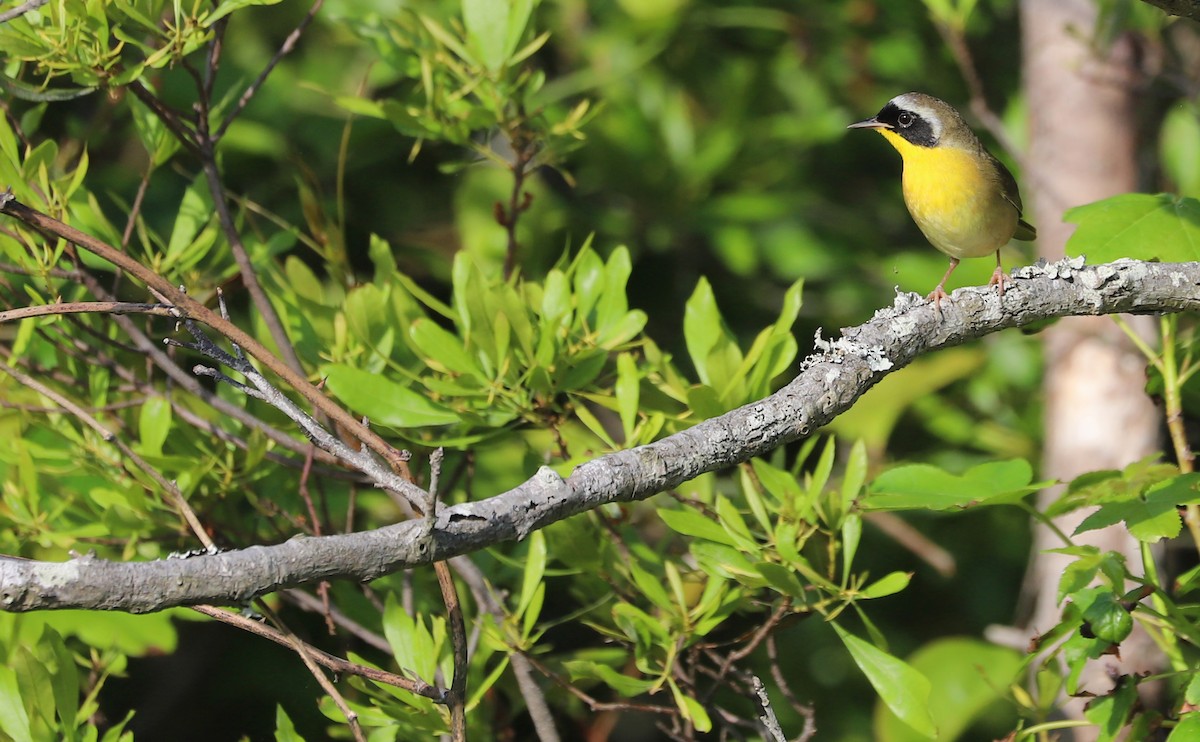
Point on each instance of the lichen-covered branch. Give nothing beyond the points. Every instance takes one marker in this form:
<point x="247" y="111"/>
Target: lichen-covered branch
<point x="829" y="381"/>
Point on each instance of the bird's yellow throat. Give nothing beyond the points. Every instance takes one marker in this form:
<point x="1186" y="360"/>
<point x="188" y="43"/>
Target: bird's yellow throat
<point x="958" y="207"/>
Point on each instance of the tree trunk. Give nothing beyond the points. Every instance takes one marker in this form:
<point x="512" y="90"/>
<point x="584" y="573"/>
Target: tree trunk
<point x="1097" y="416"/>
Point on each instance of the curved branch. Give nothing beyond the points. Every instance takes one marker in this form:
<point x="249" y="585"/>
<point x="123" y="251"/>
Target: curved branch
<point x="829" y="382"/>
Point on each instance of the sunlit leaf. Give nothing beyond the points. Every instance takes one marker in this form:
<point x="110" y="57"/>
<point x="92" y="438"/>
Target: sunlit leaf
<point x="905" y="690"/>
<point x="384" y="401"/>
<point x="1137" y="225"/>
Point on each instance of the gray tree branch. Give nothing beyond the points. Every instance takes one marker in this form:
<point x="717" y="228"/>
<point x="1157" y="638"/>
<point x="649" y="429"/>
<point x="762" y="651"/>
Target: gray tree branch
<point x="829" y="381"/>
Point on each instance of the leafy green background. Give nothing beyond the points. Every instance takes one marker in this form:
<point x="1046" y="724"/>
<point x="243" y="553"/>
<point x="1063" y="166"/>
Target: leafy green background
<point x="675" y="259"/>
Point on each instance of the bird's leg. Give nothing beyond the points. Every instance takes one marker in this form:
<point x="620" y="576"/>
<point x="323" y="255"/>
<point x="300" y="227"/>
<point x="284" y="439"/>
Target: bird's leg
<point x="999" y="277"/>
<point x="939" y="293"/>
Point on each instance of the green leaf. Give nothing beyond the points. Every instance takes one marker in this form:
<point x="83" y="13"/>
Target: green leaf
<point x="727" y="562"/>
<point x="14" y="721"/>
<point x="443" y="350"/>
<point x="702" y="400"/>
<point x="627" y="390"/>
<point x="1111" y="713"/>
<point x="651" y="586"/>
<point x="851" y="535"/>
<point x="556" y="297"/>
<point x="778" y="483"/>
<point x="710" y="344"/>
<point x="589" y="281"/>
<point x="612" y="306"/>
<point x="1188" y="728"/>
<point x="1191" y="694"/>
<point x="412" y="643"/>
<point x="1152" y="517"/>
<point x="535" y="570"/>
<point x="122" y="632"/>
<point x="782" y="579"/>
<point x="691" y="523"/>
<point x="1137" y="225"/>
<point x="967" y="678"/>
<point x="905" y="690"/>
<point x="1102" y="611"/>
<point x="642" y="629"/>
<point x="855" y="475"/>
<point x="691" y="709"/>
<point x="592" y="423"/>
<point x="154" y="423"/>
<point x="228" y="6"/>
<point x="285" y="730"/>
<point x="1105" y="486"/>
<point x="1080" y="573"/>
<point x="494" y="28"/>
<point x="923" y="486"/>
<point x="303" y="281"/>
<point x="64" y="677"/>
<point x="1179" y="148"/>
<point x="624" y="684"/>
<point x="735" y="525"/>
<point x="384" y="401"/>
<point x="195" y="211"/>
<point x="889" y="584"/>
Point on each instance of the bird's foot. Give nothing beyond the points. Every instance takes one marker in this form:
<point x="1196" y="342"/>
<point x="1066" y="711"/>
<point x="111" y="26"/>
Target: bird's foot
<point x="936" y="297"/>
<point x="999" y="278"/>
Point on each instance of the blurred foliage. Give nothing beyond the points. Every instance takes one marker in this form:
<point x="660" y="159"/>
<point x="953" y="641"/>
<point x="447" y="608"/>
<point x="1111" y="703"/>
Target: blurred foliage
<point x="670" y="174"/>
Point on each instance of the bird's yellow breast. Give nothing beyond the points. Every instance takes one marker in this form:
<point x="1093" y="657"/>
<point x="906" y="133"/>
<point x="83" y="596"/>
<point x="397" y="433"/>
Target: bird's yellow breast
<point x="956" y="198"/>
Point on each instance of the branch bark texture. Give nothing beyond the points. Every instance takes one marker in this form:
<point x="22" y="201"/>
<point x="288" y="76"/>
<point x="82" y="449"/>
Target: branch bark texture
<point x="829" y="381"/>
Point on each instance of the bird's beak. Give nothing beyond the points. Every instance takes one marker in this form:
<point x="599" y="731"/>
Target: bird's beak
<point x="871" y="123"/>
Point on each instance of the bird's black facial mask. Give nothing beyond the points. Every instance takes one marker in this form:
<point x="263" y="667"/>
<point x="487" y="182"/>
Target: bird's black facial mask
<point x="908" y="124"/>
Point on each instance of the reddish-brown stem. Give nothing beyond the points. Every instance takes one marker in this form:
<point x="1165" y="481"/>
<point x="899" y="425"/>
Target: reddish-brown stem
<point x="337" y="664"/>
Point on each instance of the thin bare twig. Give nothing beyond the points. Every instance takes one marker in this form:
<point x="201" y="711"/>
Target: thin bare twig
<point x="595" y="705"/>
<point x="136" y="208"/>
<point x="519" y="199"/>
<point x="760" y="634"/>
<point x="206" y="141"/>
<point x="305" y="652"/>
<point x="457" y="696"/>
<point x="805" y="710"/>
<point x="263" y="389"/>
<point x="337" y="664"/>
<point x="352" y="627"/>
<point x="186" y="136"/>
<point x="21" y="10"/>
<point x="520" y="664"/>
<point x="766" y="714"/>
<point x="51" y="272"/>
<point x="286" y="48"/>
<point x="87" y="307"/>
<point x="241" y="256"/>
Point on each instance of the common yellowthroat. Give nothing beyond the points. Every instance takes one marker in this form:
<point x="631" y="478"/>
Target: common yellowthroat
<point x="964" y="200"/>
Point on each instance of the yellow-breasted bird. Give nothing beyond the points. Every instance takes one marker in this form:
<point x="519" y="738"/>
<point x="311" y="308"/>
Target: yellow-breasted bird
<point x="964" y="200"/>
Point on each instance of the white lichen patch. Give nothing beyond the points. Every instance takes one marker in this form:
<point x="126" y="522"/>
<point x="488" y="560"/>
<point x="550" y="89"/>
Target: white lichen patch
<point x="1064" y="269"/>
<point x="836" y="351"/>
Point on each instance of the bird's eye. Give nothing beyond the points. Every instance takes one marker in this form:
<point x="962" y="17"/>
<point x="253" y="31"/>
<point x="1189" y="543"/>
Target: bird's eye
<point x="905" y="119"/>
